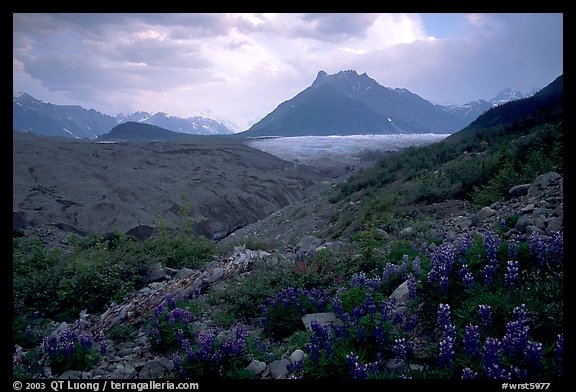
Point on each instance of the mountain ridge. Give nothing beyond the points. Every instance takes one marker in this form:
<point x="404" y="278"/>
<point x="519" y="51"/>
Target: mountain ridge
<point x="42" y="118"/>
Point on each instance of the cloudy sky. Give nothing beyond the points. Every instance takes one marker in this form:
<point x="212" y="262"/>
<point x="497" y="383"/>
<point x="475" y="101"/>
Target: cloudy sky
<point x="241" y="66"/>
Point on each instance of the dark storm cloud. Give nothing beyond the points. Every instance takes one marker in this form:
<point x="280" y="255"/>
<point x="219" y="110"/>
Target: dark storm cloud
<point x="333" y="27"/>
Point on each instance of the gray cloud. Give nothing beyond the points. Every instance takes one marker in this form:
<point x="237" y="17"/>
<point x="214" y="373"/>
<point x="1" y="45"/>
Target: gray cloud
<point x="245" y="66"/>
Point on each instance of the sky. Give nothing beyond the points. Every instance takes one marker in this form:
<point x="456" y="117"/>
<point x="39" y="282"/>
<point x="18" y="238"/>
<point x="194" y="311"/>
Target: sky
<point x="240" y="67"/>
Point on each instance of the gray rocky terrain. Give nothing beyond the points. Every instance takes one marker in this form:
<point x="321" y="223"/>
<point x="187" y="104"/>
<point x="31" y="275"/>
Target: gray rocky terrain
<point x="219" y="183"/>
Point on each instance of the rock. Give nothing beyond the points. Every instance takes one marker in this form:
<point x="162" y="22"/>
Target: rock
<point x="256" y="367"/>
<point x="382" y="234"/>
<point x="554" y="224"/>
<point x="141" y="232"/>
<point x="184" y="273"/>
<point x="19" y="220"/>
<point x="308" y="243"/>
<point x="155" y="274"/>
<point x="543" y="181"/>
<point x="406" y="232"/>
<point x="296" y="356"/>
<point x="124" y="371"/>
<point x="486" y="212"/>
<point x="279" y="368"/>
<point x="324" y="319"/>
<point x="70" y="374"/>
<point x="528" y="209"/>
<point x="523" y="222"/>
<point x="476" y="220"/>
<point x="519" y="190"/>
<point x="533" y="230"/>
<point x="156" y="368"/>
<point x="393" y="363"/>
<point x="401" y="295"/>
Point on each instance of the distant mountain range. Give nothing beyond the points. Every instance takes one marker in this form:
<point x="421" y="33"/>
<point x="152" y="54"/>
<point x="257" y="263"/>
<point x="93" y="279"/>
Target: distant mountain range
<point x="344" y="103"/>
<point x="347" y="103"/>
<point x="32" y="115"/>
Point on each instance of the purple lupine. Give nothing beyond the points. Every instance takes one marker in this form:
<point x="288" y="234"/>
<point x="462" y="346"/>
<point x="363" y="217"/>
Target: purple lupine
<point x="559" y="348"/>
<point x="519" y="313"/>
<point x="170" y="301"/>
<point x="444" y="284"/>
<point x="390" y="270"/>
<point x="177" y="362"/>
<point x="537" y="249"/>
<point x="441" y="265"/>
<point x="411" y="282"/>
<point x="513" y="248"/>
<point x="491" y="243"/>
<point x="356" y="370"/>
<point x="488" y="273"/>
<point x="485" y="315"/>
<point x="497" y="372"/>
<point x="557" y="245"/>
<point x="416" y="266"/>
<point x="469" y="374"/>
<point x="86" y="341"/>
<point x="402" y="349"/>
<point x="101" y="339"/>
<point x="180" y="335"/>
<point x="49" y="345"/>
<point x="491" y="354"/>
<point x="512" y="276"/>
<point x="463" y="243"/>
<point x="410" y="322"/>
<point x="534" y="354"/>
<point x="444" y="316"/>
<point x="518" y="373"/>
<point x="516" y="337"/>
<point x="472" y="341"/>
<point x="466" y="276"/>
<point x="446" y="356"/>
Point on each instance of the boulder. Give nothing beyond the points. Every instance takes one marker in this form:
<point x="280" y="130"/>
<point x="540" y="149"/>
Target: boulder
<point x="141" y="232"/>
<point x="256" y="367"/>
<point x="279" y="368"/>
<point x="486" y="212"/>
<point x="296" y="356"/>
<point x="155" y="274"/>
<point x="543" y="181"/>
<point x="519" y="190"/>
<point x="324" y="319"/>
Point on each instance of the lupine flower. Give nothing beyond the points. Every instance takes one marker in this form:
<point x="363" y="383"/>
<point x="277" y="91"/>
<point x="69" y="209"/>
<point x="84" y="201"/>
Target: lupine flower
<point x="402" y="348"/>
<point x="533" y="356"/>
<point x="538" y="249"/>
<point x="488" y="273"/>
<point x="515" y="338"/>
<point x="559" y="347"/>
<point x="463" y="243"/>
<point x="446" y="356"/>
<point x="411" y="282"/>
<point x="466" y="276"/>
<point x="416" y="266"/>
<point x="176" y="361"/>
<point x="485" y="315"/>
<point x="519" y="313"/>
<point x="472" y="340"/>
<point x="497" y="372"/>
<point x="513" y="248"/>
<point x="357" y="370"/>
<point x="491" y="243"/>
<point x="411" y="322"/>
<point x="444" y="316"/>
<point x="491" y="355"/>
<point x="511" y="276"/>
<point x="469" y="374"/>
<point x="557" y="245"/>
<point x="518" y="373"/>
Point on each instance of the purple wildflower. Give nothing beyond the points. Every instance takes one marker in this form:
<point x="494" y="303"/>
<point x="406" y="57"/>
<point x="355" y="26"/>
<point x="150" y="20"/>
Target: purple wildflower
<point x="491" y="355"/>
<point x="485" y="315"/>
<point x="515" y="338"/>
<point x="533" y="356"/>
<point x="559" y="347"/>
<point x="446" y="356"/>
<point x="472" y="341"/>
<point x="416" y="266"/>
<point x="466" y="276"/>
<point x="356" y="369"/>
<point x="469" y="374"/>
<point x="491" y="243"/>
<point x="511" y="276"/>
<point x="519" y="313"/>
<point x="444" y="316"/>
<point x="463" y="243"/>
<point x="402" y="348"/>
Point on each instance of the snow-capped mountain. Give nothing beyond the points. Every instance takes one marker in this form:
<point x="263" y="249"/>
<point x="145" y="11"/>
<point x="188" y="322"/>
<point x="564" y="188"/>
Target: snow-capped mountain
<point x="507" y="95"/>
<point x="472" y="110"/>
<point x="32" y="115"/>
<point x="196" y="125"/>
